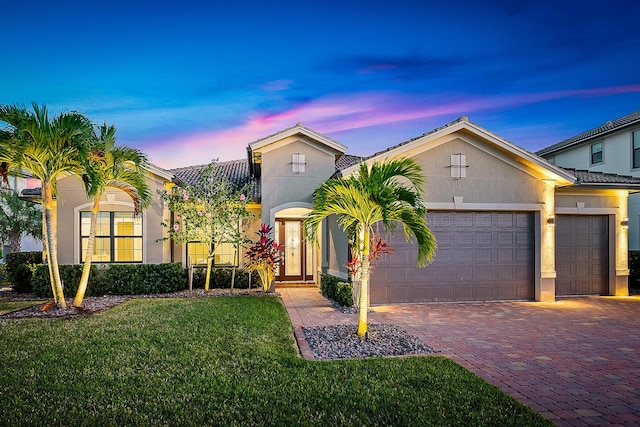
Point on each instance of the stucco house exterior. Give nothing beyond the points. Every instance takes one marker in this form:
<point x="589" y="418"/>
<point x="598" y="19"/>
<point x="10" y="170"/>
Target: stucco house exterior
<point x="613" y="147"/>
<point x="28" y="243"/>
<point x="509" y="224"/>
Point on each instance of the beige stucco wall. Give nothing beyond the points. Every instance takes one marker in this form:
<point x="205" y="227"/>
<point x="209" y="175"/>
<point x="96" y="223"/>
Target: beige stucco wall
<point x="489" y="179"/>
<point x="281" y="186"/>
<point x="72" y="200"/>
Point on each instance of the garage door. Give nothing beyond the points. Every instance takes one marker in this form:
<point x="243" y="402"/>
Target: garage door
<point x="482" y="256"/>
<point x="582" y="255"/>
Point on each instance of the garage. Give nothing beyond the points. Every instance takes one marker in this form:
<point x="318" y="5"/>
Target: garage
<point x="582" y="255"/>
<point x="482" y="256"/>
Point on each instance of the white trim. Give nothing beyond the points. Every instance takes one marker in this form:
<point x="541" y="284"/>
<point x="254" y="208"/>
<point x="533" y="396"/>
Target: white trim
<point x="298" y="129"/>
<point x="76" y="227"/>
<point x="500" y="148"/>
<point x="274" y="210"/>
<point x="459" y="205"/>
<point x="586" y="211"/>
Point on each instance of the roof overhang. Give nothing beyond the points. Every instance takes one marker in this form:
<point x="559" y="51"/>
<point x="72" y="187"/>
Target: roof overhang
<point x="499" y="146"/>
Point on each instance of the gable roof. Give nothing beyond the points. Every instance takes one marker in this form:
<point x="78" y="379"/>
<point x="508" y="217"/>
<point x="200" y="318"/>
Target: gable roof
<point x="610" y="126"/>
<point x="298" y="129"/>
<point x="463" y="124"/>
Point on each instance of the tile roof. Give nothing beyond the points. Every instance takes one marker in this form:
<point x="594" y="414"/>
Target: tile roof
<point x="586" y="178"/>
<point x="347" y="160"/>
<point x="608" y="127"/>
<point x="236" y="171"/>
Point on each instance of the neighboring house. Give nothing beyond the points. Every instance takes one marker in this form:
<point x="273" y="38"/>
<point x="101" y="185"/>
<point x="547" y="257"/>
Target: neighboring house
<point x="510" y="225"/>
<point x="28" y="243"/>
<point x="613" y="147"/>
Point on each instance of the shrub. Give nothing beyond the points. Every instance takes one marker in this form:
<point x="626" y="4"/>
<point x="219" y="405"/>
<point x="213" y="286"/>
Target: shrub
<point x="3" y="273"/>
<point x="115" y="279"/>
<point x="21" y="280"/>
<point x="221" y="278"/>
<point x="69" y="274"/>
<point x="634" y="269"/>
<point x="334" y="288"/>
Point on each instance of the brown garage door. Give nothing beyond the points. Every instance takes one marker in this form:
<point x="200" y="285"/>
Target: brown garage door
<point x="582" y="255"/>
<point x="481" y="256"/>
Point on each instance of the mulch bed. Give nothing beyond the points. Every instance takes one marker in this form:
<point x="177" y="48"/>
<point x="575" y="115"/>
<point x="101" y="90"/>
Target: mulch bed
<point x="91" y="305"/>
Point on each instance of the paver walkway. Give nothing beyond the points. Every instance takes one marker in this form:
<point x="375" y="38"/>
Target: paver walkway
<point x="576" y="361"/>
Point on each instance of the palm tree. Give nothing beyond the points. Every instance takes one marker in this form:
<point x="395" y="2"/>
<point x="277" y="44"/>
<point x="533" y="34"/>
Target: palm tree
<point x="119" y="167"/>
<point x="49" y="149"/>
<point x="376" y="193"/>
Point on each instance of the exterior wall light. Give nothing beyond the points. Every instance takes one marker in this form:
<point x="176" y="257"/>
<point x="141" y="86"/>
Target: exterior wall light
<point x="625" y="223"/>
<point x="551" y="221"/>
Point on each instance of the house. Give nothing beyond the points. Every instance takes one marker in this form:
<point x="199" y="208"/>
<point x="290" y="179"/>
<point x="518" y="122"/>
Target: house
<point x="509" y="224"/>
<point x="27" y="243"/>
<point x="613" y="147"/>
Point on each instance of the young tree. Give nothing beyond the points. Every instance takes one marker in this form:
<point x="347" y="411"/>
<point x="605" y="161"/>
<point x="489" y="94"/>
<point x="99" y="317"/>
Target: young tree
<point x="18" y="217"/>
<point x="119" y="167"/>
<point x="49" y="149"/>
<point x="375" y="193"/>
<point x="209" y="212"/>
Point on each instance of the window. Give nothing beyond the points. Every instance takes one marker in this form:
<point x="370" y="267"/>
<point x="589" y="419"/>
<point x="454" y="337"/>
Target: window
<point x="118" y="237"/>
<point x="552" y="160"/>
<point x="224" y="254"/>
<point x="636" y="149"/>
<point x="596" y="153"/>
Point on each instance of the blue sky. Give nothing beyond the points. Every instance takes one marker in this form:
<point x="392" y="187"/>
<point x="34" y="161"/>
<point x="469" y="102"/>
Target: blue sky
<point x="190" y="81"/>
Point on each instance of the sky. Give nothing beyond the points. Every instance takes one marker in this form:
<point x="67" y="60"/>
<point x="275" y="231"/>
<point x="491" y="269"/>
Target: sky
<point x="192" y="81"/>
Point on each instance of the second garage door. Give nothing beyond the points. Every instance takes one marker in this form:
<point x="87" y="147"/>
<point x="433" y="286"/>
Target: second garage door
<point x="582" y="255"/>
<point x="482" y="256"/>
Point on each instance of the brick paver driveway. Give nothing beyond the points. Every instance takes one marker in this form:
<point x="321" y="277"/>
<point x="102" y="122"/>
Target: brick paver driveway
<point x="576" y="361"/>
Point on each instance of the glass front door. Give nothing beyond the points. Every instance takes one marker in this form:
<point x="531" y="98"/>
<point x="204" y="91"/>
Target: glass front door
<point x="295" y="253"/>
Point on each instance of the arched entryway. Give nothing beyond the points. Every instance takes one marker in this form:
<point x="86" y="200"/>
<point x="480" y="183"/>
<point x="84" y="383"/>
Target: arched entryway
<point x="297" y="256"/>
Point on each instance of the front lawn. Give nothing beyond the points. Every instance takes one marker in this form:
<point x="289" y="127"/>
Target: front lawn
<point x="9" y="306"/>
<point x="222" y="361"/>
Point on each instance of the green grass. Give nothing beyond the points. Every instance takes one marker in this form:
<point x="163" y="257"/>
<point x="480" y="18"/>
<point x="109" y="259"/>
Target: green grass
<point x="9" y="306"/>
<point x="223" y="361"/>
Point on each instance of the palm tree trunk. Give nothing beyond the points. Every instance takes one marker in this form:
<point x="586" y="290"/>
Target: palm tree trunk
<point x="46" y="248"/>
<point x="88" y="255"/>
<point x="52" y="249"/>
<point x="363" y="320"/>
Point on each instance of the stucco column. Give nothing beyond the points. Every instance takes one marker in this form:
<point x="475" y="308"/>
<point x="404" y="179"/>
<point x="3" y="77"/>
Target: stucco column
<point x="546" y="285"/>
<point x="620" y="286"/>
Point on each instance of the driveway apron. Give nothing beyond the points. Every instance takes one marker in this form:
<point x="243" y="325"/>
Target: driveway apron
<point x="576" y="361"/>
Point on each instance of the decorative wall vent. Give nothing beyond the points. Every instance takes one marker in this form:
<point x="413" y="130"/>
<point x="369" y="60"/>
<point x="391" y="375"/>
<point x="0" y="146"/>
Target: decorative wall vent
<point x="458" y="166"/>
<point x="298" y="164"/>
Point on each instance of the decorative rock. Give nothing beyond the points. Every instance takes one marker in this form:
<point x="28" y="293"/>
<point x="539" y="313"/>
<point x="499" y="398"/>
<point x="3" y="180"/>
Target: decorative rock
<point x="343" y="342"/>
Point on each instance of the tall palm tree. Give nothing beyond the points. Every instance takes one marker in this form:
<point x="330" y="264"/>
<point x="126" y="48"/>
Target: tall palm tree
<point x="119" y="167"/>
<point x="49" y="149"/>
<point x="375" y="193"/>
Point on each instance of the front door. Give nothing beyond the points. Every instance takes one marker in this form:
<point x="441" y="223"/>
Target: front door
<point x="294" y="254"/>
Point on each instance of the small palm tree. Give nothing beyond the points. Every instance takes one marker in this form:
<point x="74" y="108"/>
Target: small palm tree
<point x="119" y="167"/>
<point x="49" y="149"/>
<point x="375" y="193"/>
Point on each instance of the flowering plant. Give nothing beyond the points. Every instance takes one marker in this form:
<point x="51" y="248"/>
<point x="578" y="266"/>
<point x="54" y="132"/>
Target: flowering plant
<point x="263" y="257"/>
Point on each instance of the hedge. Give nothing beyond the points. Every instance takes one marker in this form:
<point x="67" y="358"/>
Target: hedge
<point x="221" y="278"/>
<point x="336" y="289"/>
<point x="634" y="269"/>
<point x="17" y="269"/>
<point x="115" y="279"/>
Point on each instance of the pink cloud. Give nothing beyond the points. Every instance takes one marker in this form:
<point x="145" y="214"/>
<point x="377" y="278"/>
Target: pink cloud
<point x="346" y="112"/>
